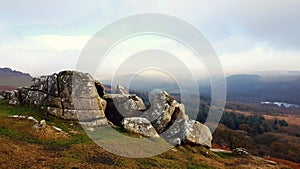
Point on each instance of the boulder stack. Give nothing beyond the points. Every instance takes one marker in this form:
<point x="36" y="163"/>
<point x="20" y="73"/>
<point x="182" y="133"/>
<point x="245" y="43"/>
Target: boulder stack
<point x="74" y="95"/>
<point x="68" y="95"/>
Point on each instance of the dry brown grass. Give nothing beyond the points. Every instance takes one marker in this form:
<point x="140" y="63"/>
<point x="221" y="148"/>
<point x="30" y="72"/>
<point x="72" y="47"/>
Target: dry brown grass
<point x="291" y="119"/>
<point x="16" y="153"/>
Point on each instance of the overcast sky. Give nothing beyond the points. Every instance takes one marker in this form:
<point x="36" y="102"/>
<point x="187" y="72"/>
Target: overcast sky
<point x="42" y="37"/>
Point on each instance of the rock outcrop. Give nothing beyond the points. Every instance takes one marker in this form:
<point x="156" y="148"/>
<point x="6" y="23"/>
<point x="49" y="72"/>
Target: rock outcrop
<point x="74" y="95"/>
<point x="69" y="95"/>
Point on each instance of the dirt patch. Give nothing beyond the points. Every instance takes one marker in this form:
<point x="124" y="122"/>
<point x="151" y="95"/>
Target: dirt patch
<point x="22" y="155"/>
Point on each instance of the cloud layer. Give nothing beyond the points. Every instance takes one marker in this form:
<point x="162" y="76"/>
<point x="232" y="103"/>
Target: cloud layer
<point x="44" y="37"/>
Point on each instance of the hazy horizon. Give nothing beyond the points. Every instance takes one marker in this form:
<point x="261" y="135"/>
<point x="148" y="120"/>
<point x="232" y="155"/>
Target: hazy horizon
<point x="274" y="73"/>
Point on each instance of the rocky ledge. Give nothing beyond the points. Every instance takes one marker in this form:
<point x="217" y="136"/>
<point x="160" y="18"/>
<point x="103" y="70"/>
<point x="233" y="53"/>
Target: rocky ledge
<point x="73" y="95"/>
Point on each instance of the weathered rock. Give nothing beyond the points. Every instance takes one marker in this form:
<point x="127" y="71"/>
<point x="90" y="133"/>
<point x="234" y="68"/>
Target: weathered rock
<point x="1" y="97"/>
<point x="38" y="98"/>
<point x="71" y="114"/>
<point x="126" y="102"/>
<point x="94" y="123"/>
<point x="24" y="99"/>
<point x="76" y="84"/>
<point x="83" y="115"/>
<point x="68" y="95"/>
<point x="176" y="133"/>
<point x="122" y="106"/>
<point x="83" y="103"/>
<point x="45" y="84"/>
<point x="164" y="111"/>
<point x="188" y="131"/>
<point x="103" y="104"/>
<point x="40" y="83"/>
<point x="53" y="85"/>
<point x="14" y="101"/>
<point x="57" y="112"/>
<point x="136" y="103"/>
<point x="198" y="134"/>
<point x="12" y="97"/>
<point x="139" y="126"/>
<point x="122" y="90"/>
<point x="8" y="94"/>
<point x="53" y="102"/>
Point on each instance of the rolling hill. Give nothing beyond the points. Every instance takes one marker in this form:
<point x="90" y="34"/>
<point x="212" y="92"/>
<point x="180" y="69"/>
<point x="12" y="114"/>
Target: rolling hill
<point x="12" y="78"/>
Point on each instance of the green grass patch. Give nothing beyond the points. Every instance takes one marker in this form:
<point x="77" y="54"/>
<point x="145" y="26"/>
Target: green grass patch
<point x="48" y="144"/>
<point x="222" y="155"/>
<point x="147" y="163"/>
<point x="23" y="110"/>
<point x="9" y="133"/>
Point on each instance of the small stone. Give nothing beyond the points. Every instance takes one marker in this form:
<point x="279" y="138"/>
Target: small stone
<point x="240" y="151"/>
<point x="43" y="123"/>
<point x="32" y="119"/>
<point x="91" y="129"/>
<point x="57" y="129"/>
<point x="74" y="132"/>
<point x="14" y="101"/>
<point x="36" y="126"/>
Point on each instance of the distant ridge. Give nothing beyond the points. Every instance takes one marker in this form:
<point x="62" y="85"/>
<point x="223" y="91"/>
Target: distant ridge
<point x="14" y="78"/>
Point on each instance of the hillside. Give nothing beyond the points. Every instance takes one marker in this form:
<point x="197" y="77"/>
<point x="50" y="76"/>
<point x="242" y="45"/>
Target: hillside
<point x="256" y="89"/>
<point x="22" y="146"/>
<point x="13" y="78"/>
